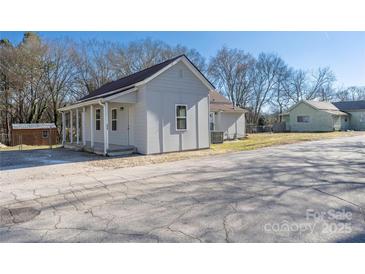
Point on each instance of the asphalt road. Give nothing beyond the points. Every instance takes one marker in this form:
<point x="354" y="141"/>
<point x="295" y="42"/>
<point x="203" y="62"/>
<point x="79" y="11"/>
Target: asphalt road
<point x="307" y="192"/>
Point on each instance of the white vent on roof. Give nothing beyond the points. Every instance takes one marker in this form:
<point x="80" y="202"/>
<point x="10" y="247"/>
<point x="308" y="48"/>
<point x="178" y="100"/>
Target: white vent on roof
<point x="181" y="73"/>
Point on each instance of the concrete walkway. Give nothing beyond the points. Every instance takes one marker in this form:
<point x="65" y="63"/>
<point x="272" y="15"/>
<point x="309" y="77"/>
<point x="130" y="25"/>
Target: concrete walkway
<point x="308" y="192"/>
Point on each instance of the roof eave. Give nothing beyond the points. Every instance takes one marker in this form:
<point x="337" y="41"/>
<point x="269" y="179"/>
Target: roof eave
<point x="96" y="100"/>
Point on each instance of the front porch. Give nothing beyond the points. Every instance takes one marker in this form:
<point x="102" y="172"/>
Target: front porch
<point x="102" y="126"/>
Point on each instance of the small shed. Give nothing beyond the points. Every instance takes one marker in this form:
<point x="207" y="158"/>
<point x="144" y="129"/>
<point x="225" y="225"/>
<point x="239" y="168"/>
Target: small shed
<point x="41" y="134"/>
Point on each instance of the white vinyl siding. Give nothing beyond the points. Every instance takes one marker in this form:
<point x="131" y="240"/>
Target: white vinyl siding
<point x="117" y="137"/>
<point x="233" y="125"/>
<point x="162" y="94"/>
<point x="148" y="120"/>
<point x="139" y="118"/>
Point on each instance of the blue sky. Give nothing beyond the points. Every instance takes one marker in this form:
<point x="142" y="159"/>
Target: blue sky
<point x="344" y="52"/>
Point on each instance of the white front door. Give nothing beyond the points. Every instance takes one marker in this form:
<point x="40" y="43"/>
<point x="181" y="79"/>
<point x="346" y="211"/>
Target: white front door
<point x="119" y="124"/>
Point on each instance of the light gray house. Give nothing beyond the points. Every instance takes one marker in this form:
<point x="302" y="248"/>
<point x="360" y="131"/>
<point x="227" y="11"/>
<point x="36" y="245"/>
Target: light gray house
<point x="226" y="118"/>
<point x="311" y="116"/>
<point x="163" y="108"/>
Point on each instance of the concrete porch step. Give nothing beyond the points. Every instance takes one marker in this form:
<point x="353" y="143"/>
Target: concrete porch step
<point x="114" y="150"/>
<point x="121" y="152"/>
<point x="74" y="147"/>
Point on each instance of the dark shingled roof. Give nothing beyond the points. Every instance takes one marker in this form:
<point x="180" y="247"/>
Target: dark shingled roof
<point x="131" y="80"/>
<point x="350" y="105"/>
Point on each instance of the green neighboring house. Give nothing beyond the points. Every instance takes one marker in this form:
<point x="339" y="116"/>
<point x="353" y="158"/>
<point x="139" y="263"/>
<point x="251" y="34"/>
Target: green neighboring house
<point x="312" y="116"/>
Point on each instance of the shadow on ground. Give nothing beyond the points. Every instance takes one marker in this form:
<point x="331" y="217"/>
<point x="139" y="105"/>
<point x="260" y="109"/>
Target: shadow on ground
<point x="42" y="157"/>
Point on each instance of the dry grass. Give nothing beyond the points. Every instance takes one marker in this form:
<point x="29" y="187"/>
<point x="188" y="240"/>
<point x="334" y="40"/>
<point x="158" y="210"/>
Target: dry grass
<point x="253" y="141"/>
<point x="25" y="147"/>
<point x="259" y="140"/>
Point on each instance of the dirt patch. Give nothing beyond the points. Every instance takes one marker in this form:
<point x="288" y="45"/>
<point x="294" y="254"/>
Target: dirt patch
<point x="141" y="160"/>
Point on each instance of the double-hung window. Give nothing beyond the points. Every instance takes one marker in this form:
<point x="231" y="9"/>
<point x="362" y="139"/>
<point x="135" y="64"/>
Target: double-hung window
<point x="303" y="119"/>
<point x="181" y="117"/>
<point x="114" y="119"/>
<point x="97" y="119"/>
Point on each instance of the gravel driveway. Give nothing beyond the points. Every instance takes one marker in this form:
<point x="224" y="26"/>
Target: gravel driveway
<point x="308" y="192"/>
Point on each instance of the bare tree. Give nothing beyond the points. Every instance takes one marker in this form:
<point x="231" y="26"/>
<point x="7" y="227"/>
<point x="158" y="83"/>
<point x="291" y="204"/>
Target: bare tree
<point x="297" y="86"/>
<point x="268" y="70"/>
<point x="311" y="86"/>
<point x="59" y="76"/>
<point x="5" y="108"/>
<point x="353" y="93"/>
<point x="197" y="59"/>
<point x="25" y="69"/>
<point x="93" y="66"/>
<point x="321" y="87"/>
<point x="232" y="70"/>
<point x="280" y="100"/>
<point x="141" y="54"/>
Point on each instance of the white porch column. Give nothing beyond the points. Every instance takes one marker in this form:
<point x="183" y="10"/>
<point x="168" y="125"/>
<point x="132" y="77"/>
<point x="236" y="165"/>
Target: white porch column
<point x="83" y="126"/>
<point x="71" y="128"/>
<point x="92" y="125"/>
<point x="106" y="127"/>
<point x="63" y="128"/>
<point x="77" y="127"/>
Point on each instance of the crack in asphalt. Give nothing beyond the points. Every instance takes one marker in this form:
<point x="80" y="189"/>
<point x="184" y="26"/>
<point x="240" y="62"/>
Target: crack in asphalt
<point x="205" y="185"/>
<point x="362" y="212"/>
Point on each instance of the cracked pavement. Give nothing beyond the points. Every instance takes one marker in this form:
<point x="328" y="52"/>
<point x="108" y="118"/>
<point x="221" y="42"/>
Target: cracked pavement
<point x="254" y="196"/>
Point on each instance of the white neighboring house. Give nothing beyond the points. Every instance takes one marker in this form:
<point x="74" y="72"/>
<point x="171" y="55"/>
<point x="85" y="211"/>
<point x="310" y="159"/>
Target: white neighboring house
<point x="226" y="118"/>
<point x="163" y="108"/>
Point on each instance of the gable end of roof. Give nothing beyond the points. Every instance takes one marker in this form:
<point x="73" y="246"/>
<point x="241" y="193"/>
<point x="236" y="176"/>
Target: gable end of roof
<point x="142" y="76"/>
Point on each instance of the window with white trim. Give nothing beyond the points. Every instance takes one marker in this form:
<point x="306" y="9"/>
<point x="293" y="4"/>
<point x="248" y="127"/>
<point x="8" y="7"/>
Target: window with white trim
<point x="303" y="119"/>
<point x="97" y="119"/>
<point x="212" y="121"/>
<point x="114" y="119"/>
<point x="181" y="117"/>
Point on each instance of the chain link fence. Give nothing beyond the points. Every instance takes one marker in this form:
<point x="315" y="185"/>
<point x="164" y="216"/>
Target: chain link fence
<point x="277" y="127"/>
<point x="30" y="140"/>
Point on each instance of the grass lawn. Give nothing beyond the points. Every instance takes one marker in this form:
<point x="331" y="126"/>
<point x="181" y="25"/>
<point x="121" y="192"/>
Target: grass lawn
<point x="253" y="141"/>
<point x="259" y="140"/>
<point x="26" y="147"/>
